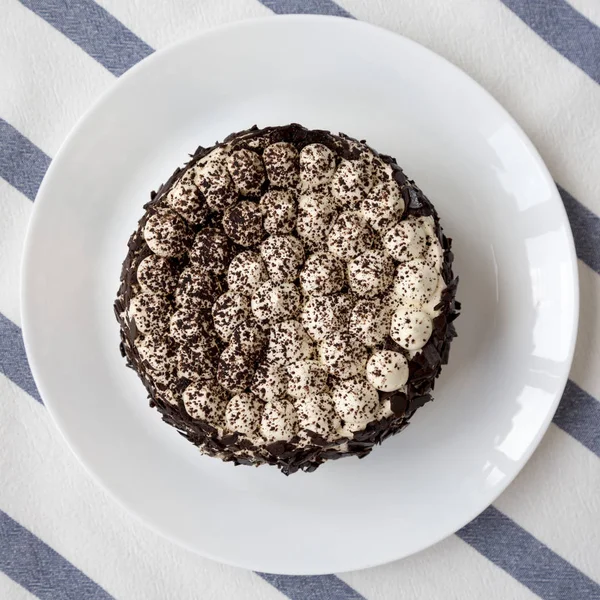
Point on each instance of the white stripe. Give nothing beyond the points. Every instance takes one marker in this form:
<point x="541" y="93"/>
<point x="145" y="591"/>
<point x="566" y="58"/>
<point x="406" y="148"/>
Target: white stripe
<point x="451" y="569"/>
<point x="48" y="82"/>
<point x="590" y="9"/>
<point x="9" y="590"/>
<point x="554" y="101"/>
<point x="52" y="496"/>
<point x="15" y="209"/>
<point x="556" y="499"/>
<point x="161" y="23"/>
<point x="585" y="372"/>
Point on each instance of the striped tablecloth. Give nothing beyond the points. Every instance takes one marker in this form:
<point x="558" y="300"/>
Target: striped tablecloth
<point x="61" y="537"/>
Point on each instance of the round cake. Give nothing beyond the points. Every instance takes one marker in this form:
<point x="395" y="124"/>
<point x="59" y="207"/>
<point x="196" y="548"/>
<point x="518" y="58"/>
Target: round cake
<point x="287" y="298"/>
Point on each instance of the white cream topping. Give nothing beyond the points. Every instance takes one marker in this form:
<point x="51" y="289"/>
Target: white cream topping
<point x="270" y="381"/>
<point x="150" y="312"/>
<point x="198" y="363"/>
<point x="283" y="256"/>
<point x="411" y="329"/>
<point x="317" y="414"/>
<point x="166" y="234"/>
<point x="383" y="206"/>
<point x="317" y="165"/>
<point x="370" y="273"/>
<point x="322" y="274"/>
<point x="184" y="199"/>
<point x="387" y="370"/>
<point x="315" y="200"/>
<point x="242" y="222"/>
<point x="306" y="377"/>
<point x="156" y="275"/>
<point x="243" y="414"/>
<point x="249" y="338"/>
<point x="415" y="282"/>
<point x="324" y="315"/>
<point x="314" y="217"/>
<point x="246" y="273"/>
<point x="195" y="289"/>
<point x="350" y="235"/>
<point x="186" y="325"/>
<point x="213" y="180"/>
<point x="281" y="162"/>
<point x="156" y="351"/>
<point x="391" y="301"/>
<point x="351" y="183"/>
<point x="235" y="370"/>
<point x="356" y="402"/>
<point x="274" y="302"/>
<point x="343" y="354"/>
<point x="229" y="310"/>
<point x="288" y="343"/>
<point x="409" y="239"/>
<point x="247" y="171"/>
<point x="369" y="322"/>
<point x="206" y="402"/>
<point x="279" y="211"/>
<point x="279" y="421"/>
<point x="210" y="250"/>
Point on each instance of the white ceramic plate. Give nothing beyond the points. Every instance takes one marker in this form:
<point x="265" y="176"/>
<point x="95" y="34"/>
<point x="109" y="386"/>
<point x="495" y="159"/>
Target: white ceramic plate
<point x="514" y="255"/>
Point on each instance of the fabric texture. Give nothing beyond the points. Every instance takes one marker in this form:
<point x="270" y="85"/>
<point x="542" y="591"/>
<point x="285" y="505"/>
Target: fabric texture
<point x="62" y="537"/>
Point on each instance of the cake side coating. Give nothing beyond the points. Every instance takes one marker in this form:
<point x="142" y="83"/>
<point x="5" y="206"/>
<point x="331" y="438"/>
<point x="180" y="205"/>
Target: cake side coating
<point x="247" y="268"/>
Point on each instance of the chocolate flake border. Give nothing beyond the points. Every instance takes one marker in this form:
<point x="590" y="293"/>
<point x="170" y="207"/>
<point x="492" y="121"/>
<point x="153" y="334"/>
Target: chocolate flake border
<point x="424" y="368"/>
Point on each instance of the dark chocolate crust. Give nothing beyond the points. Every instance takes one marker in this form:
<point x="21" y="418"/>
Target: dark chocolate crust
<point x="424" y="368"/>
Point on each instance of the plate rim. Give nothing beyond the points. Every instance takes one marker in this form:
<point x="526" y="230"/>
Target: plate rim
<point x="27" y="305"/>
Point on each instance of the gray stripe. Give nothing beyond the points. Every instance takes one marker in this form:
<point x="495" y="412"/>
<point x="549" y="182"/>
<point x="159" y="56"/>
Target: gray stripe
<point x="586" y="229"/>
<point x="578" y="415"/>
<point x="41" y="570"/>
<point x="302" y="7"/>
<point x="22" y="163"/>
<point x="511" y="548"/>
<point x="95" y="30"/>
<point x="13" y="360"/>
<point x="565" y="29"/>
<point x="319" y="587"/>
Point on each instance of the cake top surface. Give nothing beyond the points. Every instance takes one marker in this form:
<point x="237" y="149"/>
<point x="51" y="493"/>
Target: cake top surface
<point x="282" y="288"/>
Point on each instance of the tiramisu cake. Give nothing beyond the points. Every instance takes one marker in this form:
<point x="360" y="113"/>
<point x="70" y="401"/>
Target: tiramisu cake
<point x="287" y="298"/>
